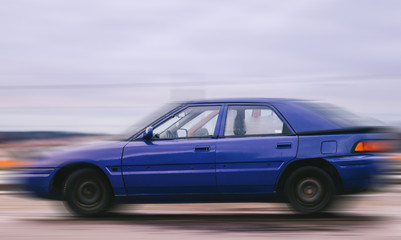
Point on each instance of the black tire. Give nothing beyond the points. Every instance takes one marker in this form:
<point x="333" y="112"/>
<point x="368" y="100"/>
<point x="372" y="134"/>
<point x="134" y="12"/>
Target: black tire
<point x="309" y="190"/>
<point x="87" y="193"/>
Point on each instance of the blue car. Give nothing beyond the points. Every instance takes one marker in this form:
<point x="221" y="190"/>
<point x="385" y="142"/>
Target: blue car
<point x="234" y="150"/>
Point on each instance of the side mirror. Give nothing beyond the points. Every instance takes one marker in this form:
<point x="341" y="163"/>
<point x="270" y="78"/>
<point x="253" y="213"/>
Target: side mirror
<point x="182" y="133"/>
<point x="148" y="135"/>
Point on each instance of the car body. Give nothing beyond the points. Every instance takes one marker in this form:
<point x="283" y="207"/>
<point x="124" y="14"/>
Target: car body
<point x="232" y="150"/>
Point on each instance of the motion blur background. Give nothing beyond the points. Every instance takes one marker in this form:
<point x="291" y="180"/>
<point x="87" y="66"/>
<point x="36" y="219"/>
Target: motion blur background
<point x="99" y="66"/>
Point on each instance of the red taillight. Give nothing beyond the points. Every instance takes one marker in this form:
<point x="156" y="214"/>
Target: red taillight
<point x="373" y="146"/>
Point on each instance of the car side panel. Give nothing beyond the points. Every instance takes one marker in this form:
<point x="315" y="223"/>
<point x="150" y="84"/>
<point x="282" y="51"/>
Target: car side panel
<point x="312" y="146"/>
<point x="170" y="167"/>
<point x="252" y="164"/>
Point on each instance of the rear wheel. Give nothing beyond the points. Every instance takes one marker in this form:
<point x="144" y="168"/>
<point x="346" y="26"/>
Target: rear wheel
<point x="87" y="193"/>
<point x="309" y="190"/>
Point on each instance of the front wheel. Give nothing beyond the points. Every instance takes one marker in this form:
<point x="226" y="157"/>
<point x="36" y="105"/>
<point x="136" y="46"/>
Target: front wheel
<point x="87" y="193"/>
<point x="309" y="190"/>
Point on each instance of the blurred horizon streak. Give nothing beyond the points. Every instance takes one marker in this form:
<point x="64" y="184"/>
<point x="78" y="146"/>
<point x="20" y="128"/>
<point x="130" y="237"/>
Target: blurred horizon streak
<point x="113" y="107"/>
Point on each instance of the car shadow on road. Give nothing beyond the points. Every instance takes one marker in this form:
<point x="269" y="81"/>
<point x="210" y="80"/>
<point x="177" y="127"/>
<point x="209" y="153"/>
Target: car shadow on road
<point x="237" y="222"/>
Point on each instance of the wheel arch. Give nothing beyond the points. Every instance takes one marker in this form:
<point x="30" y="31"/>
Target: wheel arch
<point x="316" y="162"/>
<point x="62" y="174"/>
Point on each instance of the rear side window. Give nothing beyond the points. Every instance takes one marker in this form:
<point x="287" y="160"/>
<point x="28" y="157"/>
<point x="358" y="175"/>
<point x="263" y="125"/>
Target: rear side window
<point x="253" y="120"/>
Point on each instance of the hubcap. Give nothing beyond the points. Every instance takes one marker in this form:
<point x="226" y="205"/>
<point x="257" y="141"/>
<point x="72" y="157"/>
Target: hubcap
<point x="88" y="193"/>
<point x="309" y="190"/>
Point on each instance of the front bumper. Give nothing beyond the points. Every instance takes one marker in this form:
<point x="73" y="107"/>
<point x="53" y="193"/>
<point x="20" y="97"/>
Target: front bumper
<point x="37" y="181"/>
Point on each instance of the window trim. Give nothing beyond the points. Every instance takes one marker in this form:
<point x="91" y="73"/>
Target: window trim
<point x="167" y="116"/>
<point x="281" y="117"/>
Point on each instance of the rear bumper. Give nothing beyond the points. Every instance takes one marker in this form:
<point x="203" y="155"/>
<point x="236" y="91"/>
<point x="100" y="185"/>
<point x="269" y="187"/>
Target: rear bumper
<point x="358" y="173"/>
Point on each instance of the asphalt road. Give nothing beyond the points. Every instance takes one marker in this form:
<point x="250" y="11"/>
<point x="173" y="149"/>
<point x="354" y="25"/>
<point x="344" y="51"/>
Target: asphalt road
<point x="370" y="216"/>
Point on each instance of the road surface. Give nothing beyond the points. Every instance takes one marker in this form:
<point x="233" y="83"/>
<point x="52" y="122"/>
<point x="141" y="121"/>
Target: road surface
<point x="370" y="216"/>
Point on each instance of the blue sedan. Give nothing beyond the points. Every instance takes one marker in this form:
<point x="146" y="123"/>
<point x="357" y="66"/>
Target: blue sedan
<point x="235" y="150"/>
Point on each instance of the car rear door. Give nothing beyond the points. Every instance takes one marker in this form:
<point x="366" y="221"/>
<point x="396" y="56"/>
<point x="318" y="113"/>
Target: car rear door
<point x="254" y="144"/>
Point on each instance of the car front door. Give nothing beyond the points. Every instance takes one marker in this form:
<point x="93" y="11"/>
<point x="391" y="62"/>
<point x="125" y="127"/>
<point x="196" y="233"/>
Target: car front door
<point x="179" y="159"/>
<point x="255" y="142"/>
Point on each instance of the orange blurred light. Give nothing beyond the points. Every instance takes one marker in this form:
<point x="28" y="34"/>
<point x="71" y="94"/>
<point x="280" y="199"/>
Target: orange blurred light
<point x="373" y="146"/>
<point x="12" y="163"/>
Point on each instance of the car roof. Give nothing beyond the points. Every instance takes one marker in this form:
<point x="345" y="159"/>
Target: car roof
<point x="242" y="100"/>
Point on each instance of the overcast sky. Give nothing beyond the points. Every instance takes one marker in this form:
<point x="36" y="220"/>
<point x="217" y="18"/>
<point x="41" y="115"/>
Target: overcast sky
<point x="98" y="66"/>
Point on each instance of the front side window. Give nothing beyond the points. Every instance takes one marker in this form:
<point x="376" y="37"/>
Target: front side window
<point x="252" y="120"/>
<point x="192" y="122"/>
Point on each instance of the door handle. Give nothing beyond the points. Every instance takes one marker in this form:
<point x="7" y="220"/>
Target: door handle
<point x="202" y="148"/>
<point x="282" y="145"/>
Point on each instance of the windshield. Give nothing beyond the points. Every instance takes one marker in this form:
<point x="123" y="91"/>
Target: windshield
<point x="147" y="120"/>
